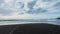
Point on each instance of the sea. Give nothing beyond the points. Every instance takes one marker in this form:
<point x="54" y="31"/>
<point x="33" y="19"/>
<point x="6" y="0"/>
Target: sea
<point x="30" y="21"/>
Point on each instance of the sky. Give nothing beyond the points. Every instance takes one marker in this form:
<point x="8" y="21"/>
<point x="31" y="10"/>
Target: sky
<point x="29" y="9"/>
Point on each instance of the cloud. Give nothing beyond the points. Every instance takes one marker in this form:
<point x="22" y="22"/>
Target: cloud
<point x="36" y="11"/>
<point x="5" y="11"/>
<point x="29" y="9"/>
<point x="31" y="4"/>
<point x="1" y="1"/>
<point x="29" y="16"/>
<point x="24" y="16"/>
<point x="57" y="5"/>
<point x="49" y="0"/>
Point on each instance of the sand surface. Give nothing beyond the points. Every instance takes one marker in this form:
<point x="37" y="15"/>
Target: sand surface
<point x="8" y="29"/>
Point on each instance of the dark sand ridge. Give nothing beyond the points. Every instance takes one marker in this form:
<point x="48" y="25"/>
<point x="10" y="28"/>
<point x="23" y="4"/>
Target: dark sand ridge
<point x="37" y="28"/>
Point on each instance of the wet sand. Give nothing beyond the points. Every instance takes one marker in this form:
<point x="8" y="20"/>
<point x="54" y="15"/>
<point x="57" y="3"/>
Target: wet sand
<point x="37" y="28"/>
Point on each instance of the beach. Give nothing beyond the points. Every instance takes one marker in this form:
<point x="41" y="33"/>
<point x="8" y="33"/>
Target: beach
<point x="42" y="27"/>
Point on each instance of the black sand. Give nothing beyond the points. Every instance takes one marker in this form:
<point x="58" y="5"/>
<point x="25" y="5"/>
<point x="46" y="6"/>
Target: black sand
<point x="38" y="28"/>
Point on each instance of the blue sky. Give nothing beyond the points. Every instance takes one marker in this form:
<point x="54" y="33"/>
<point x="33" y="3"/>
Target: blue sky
<point x="29" y="9"/>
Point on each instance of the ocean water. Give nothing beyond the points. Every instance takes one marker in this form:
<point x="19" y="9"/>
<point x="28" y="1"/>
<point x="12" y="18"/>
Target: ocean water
<point x="12" y="22"/>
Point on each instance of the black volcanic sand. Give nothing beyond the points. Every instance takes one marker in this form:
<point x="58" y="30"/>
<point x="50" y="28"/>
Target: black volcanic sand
<point x="37" y="28"/>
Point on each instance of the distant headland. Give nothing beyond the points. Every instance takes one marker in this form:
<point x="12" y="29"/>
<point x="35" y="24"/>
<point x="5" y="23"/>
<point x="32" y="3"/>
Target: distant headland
<point x="58" y="18"/>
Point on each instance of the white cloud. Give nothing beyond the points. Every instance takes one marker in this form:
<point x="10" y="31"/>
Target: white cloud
<point x="29" y="16"/>
<point x="16" y="8"/>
